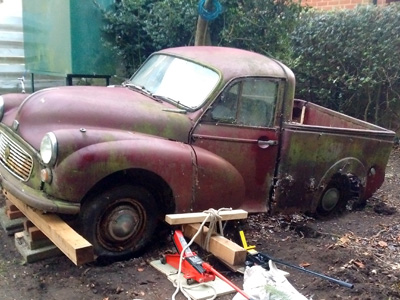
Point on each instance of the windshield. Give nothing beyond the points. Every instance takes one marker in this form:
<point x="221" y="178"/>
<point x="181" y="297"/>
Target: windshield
<point x="177" y="80"/>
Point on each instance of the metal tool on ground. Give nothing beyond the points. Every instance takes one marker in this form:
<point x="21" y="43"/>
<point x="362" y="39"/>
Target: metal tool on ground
<point x="261" y="259"/>
<point x="192" y="266"/>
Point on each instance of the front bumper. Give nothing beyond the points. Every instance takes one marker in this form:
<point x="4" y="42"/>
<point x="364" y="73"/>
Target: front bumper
<point x="36" y="199"/>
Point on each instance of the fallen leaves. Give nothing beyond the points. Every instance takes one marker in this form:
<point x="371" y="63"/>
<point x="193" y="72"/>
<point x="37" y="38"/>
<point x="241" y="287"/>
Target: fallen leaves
<point x="376" y="244"/>
<point x="358" y="263"/>
<point x="304" y="265"/>
<point x="351" y="240"/>
<point x="345" y="241"/>
<point x="354" y="263"/>
<point x="382" y="244"/>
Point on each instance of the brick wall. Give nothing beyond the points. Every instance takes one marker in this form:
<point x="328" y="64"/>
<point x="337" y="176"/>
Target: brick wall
<point x="340" y="4"/>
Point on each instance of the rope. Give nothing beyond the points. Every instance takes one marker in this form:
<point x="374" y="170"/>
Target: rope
<point x="209" y="15"/>
<point x="214" y="215"/>
<point x="179" y="287"/>
<point x="214" y="219"/>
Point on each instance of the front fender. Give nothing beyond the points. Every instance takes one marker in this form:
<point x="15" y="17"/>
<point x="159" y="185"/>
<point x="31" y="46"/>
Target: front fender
<point x="71" y="140"/>
<point x="78" y="172"/>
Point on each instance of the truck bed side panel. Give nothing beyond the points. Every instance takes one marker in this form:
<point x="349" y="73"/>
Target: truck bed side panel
<point x="311" y="155"/>
<point x="316" y="115"/>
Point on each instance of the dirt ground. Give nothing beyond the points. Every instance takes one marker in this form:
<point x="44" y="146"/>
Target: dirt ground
<point x="360" y="247"/>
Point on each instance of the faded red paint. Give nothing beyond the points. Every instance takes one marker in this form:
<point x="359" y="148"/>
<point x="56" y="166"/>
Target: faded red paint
<point x="189" y="160"/>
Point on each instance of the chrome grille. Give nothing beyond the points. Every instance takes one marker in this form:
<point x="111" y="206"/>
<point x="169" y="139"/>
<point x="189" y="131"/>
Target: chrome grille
<point x="14" y="158"/>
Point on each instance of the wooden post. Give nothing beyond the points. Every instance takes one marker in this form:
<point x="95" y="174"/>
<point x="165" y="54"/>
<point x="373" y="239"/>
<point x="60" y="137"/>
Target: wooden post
<point x="226" y="250"/>
<point x="202" y="37"/>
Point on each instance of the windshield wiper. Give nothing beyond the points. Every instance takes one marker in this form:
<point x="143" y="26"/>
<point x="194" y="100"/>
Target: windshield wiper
<point x="138" y="88"/>
<point x="163" y="98"/>
<point x="170" y="100"/>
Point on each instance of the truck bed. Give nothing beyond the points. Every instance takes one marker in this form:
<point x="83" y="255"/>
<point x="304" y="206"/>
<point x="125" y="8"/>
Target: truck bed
<point x="307" y="113"/>
<point x="319" y="144"/>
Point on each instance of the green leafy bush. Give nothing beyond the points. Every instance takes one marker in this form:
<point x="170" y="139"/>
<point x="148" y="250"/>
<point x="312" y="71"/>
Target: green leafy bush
<point x="348" y="60"/>
<point x="136" y="28"/>
<point x="125" y="32"/>
<point x="263" y="26"/>
<point x="345" y="60"/>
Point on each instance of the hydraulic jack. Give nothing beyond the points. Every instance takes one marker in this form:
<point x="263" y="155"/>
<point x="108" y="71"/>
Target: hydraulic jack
<point x="194" y="269"/>
<point x="192" y="265"/>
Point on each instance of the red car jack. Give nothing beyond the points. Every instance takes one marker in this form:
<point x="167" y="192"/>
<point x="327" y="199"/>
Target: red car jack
<point x="193" y="268"/>
<point x="192" y="265"/>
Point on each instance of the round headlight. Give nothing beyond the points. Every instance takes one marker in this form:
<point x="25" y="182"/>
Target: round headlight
<point x="48" y="149"/>
<point x="1" y="108"/>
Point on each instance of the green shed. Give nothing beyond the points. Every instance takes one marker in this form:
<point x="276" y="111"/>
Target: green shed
<point x="64" y="38"/>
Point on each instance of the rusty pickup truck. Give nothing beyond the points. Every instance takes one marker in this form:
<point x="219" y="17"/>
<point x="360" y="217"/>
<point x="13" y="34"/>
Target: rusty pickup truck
<point x="194" y="128"/>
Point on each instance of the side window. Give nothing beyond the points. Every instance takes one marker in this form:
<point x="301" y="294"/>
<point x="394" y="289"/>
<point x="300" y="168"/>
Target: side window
<point x="257" y="105"/>
<point x="225" y="108"/>
<point x="248" y="102"/>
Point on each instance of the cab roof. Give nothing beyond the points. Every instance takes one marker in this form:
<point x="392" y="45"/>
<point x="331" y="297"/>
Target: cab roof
<point x="232" y="62"/>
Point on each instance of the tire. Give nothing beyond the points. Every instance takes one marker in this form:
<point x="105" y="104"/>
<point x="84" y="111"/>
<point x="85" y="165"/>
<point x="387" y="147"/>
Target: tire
<point x="334" y="198"/>
<point x="119" y="222"/>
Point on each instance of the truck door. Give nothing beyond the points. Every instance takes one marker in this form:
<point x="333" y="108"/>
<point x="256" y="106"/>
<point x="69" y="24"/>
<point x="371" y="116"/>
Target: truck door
<point x="241" y="127"/>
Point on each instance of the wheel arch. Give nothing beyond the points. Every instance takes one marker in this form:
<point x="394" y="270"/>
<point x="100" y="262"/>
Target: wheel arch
<point x="348" y="165"/>
<point x="351" y="171"/>
<point x="151" y="181"/>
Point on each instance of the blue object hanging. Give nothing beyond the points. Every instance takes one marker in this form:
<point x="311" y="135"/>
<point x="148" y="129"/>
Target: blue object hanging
<point x="210" y="15"/>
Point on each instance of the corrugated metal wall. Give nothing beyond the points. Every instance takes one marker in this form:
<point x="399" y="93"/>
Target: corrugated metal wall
<point x="12" y="64"/>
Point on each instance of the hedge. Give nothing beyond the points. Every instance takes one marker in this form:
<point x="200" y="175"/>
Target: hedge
<point x="348" y="60"/>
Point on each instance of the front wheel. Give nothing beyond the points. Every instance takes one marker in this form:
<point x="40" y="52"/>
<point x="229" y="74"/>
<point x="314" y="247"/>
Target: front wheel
<point x="120" y="221"/>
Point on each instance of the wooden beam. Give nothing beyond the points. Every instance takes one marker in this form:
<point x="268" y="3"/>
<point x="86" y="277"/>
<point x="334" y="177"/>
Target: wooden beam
<point x="73" y="245"/>
<point x="220" y="246"/>
<point x="190" y="218"/>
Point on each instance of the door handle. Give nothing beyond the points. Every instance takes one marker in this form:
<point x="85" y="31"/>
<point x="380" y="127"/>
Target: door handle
<point x="263" y="144"/>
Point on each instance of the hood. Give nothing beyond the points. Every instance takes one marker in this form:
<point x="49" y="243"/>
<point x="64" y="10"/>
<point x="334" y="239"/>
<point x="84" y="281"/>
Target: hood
<point x="100" y="108"/>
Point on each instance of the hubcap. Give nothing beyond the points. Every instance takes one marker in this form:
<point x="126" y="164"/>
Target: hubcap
<point x="122" y="224"/>
<point x="330" y="199"/>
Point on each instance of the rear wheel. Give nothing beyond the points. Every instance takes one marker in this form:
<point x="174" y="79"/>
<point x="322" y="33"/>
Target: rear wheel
<point x="120" y="221"/>
<point x="334" y="197"/>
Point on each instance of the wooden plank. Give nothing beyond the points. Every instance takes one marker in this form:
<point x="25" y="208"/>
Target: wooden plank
<point x="190" y="218"/>
<point x="220" y="246"/>
<point x="210" y="290"/>
<point x="73" y="245"/>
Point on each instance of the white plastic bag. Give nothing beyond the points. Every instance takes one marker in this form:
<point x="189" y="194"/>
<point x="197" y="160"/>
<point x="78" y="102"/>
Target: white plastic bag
<point x="261" y="284"/>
